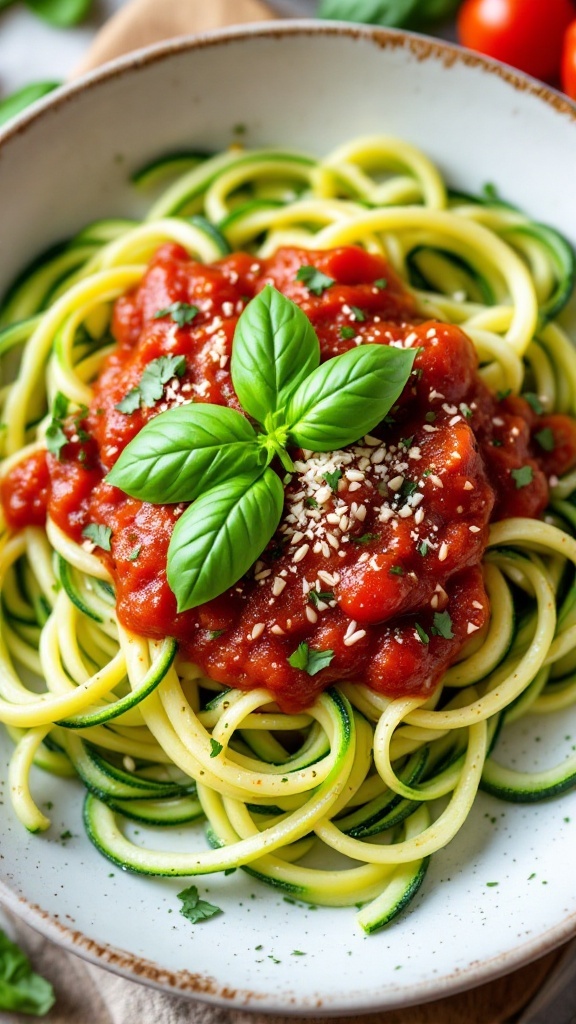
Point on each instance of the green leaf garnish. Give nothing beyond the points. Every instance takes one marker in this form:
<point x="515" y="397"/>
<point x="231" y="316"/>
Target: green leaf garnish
<point x="315" y="281"/>
<point x="347" y="333"/>
<point x="396" y="570"/>
<point x="359" y="315"/>
<point x="534" y="402"/>
<point x="215" y="458"/>
<point x="523" y="476"/>
<point x="423" y="549"/>
<point x="317" y="597"/>
<point x="180" y="313"/>
<point x="195" y="909"/>
<point x="100" y="535"/>
<point x="545" y="438"/>
<point x="220" y="535"/>
<point x="381" y="283"/>
<point x="309" y="659"/>
<point x="215" y="747"/>
<point x="150" y="387"/>
<point x="443" y="625"/>
<point x="134" y="553"/>
<point x="21" y="989"/>
<point x="365" y="538"/>
<point x="422" y="633"/>
<point x="16" y="102"/>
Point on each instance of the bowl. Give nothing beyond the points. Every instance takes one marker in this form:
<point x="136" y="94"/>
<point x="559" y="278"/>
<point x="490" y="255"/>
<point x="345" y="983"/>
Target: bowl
<point x="309" y="86"/>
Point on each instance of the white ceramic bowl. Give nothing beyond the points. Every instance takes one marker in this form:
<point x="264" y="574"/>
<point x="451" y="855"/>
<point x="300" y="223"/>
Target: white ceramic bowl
<point x="309" y="86"/>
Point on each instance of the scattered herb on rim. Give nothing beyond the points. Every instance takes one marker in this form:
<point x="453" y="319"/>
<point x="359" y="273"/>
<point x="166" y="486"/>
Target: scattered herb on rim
<point x="194" y="908"/>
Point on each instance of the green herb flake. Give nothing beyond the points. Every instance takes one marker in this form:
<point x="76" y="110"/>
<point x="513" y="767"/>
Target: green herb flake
<point x="365" y="538"/>
<point x="195" y="909"/>
<point x="443" y="625"/>
<point x="55" y="439"/>
<point x="406" y="442"/>
<point x="215" y="747"/>
<point x="465" y="410"/>
<point x="359" y="315"/>
<point x="317" y="597"/>
<point x="309" y="659"/>
<point x="150" y="388"/>
<point x="534" y="402"/>
<point x="311" y="503"/>
<point x="396" y="570"/>
<point x="21" y="989"/>
<point x="491" y="885"/>
<point x="501" y="395"/>
<point x="134" y="553"/>
<point x="381" y="283"/>
<point x="315" y="281"/>
<point x="430" y="417"/>
<point x="180" y="313"/>
<point x="298" y="952"/>
<point x="423" y="549"/>
<point x="213" y="634"/>
<point x="422" y="633"/>
<point x="545" y="439"/>
<point x="100" y="535"/>
<point x="333" y="478"/>
<point x="347" y="333"/>
<point x="523" y="476"/>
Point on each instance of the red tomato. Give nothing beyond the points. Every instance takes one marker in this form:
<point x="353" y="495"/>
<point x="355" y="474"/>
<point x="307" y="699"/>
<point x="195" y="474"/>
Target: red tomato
<point x="527" y="34"/>
<point x="568" y="68"/>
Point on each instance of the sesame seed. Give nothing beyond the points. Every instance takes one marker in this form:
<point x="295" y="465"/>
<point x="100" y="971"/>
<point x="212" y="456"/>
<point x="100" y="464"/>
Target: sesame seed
<point x="351" y="628"/>
<point x="278" y="586"/>
<point x="434" y="600"/>
<point x="474" y="529"/>
<point x="349" y="641"/>
<point x="301" y="553"/>
<point x="434" y="479"/>
<point x="443" y="553"/>
<point x="419" y="516"/>
<point x="311" y="614"/>
<point x="354" y="486"/>
<point x="277" y="630"/>
<point x="257" y="630"/>
<point x="354" y="474"/>
<point x="396" y="483"/>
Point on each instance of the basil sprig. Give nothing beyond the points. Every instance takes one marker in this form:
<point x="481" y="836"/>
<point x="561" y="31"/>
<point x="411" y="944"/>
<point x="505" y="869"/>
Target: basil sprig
<point x="212" y="456"/>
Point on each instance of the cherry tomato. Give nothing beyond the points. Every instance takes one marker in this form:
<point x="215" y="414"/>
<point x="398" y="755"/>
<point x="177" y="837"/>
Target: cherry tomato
<point x="527" y="34"/>
<point x="568" y="68"/>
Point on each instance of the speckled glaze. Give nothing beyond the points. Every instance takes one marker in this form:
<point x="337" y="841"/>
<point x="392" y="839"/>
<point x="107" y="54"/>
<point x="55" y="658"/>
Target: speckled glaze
<point x="500" y="894"/>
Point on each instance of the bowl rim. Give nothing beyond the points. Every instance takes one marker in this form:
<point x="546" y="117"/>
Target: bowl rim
<point x="129" y="966"/>
<point x="421" y="46"/>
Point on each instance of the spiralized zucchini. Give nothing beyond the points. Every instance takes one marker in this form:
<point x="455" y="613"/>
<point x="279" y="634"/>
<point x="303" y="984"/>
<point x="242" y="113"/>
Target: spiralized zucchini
<point x="384" y="782"/>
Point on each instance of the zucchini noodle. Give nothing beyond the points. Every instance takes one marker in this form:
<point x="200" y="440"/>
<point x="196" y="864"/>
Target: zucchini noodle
<point x="382" y="782"/>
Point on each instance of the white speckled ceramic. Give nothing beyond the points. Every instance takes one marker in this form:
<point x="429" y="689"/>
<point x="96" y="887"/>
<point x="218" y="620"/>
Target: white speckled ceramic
<point x="503" y="892"/>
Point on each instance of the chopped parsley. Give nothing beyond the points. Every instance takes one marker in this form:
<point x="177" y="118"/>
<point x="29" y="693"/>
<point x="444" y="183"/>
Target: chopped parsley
<point x="311" y="503"/>
<point x="333" y="478"/>
<point x="215" y="747"/>
<point x="317" y="596"/>
<point x="381" y="283"/>
<point x="347" y="333"/>
<point x="213" y="634"/>
<point x="423" y="549"/>
<point x="365" y="538"/>
<point x="406" y="442"/>
<point x="315" y="281"/>
<point x="150" y="387"/>
<point x="523" y="476"/>
<point x="408" y="488"/>
<point x="21" y="989"/>
<point x="443" y="625"/>
<point x="545" y="438"/>
<point x="310" y="660"/>
<point x="501" y="395"/>
<point x="195" y="909"/>
<point x="396" y="570"/>
<point x="359" y="315"/>
<point x="56" y="437"/>
<point x="134" y="553"/>
<point x="180" y="313"/>
<point x="422" y="633"/>
<point x="100" y="535"/>
<point x="534" y="402"/>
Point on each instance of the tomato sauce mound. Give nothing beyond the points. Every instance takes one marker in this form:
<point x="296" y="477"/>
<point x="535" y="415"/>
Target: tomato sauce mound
<point x="377" y="557"/>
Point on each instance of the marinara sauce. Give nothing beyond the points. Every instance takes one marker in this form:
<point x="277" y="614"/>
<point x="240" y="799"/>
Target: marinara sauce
<point x="376" y="563"/>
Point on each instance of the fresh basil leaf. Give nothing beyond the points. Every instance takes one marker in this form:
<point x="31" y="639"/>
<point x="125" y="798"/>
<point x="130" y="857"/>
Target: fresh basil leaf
<point x="185" y="451"/>
<point x="16" y="102"/>
<point x="394" y="13"/>
<point x="194" y="908"/>
<point x="62" y="13"/>
<point x="346" y="397"/>
<point x="275" y="348"/>
<point x="221" y="535"/>
<point x="443" y="625"/>
<point x="21" y="989"/>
